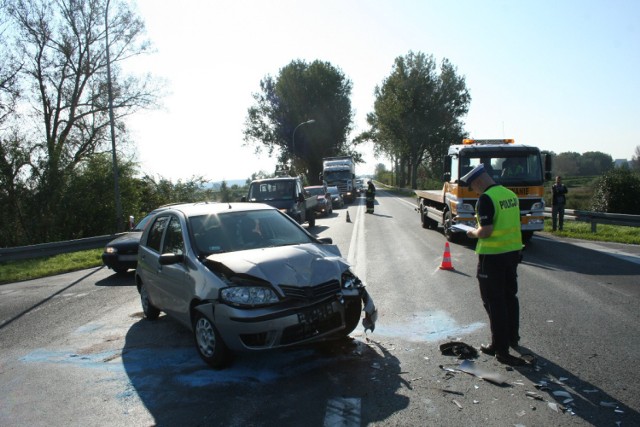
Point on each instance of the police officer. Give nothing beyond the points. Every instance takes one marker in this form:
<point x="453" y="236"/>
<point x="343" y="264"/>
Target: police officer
<point x="499" y="252"/>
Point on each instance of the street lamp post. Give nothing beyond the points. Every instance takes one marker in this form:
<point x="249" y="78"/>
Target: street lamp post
<point x="116" y="177"/>
<point x="293" y="137"/>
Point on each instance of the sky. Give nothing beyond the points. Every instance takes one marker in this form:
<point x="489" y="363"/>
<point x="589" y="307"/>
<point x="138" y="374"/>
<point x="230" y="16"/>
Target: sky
<point x="558" y="74"/>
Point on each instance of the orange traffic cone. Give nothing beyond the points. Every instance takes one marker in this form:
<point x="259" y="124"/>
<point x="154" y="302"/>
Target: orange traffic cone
<point x="446" y="259"/>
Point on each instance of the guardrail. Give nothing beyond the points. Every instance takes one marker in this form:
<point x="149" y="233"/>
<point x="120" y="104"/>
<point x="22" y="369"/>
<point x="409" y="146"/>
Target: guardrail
<point x="57" y="248"/>
<point x="54" y="248"/>
<point x="596" y="218"/>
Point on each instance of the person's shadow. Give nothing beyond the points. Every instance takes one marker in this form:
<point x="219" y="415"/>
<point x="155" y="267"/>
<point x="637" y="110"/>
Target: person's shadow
<point x="566" y="392"/>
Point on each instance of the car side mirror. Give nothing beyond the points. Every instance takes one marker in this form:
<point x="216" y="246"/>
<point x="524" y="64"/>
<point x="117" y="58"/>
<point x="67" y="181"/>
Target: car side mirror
<point x="171" y="258"/>
<point x="326" y="240"/>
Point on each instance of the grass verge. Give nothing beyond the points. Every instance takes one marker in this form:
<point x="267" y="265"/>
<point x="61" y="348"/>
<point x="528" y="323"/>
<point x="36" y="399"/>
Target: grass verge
<point x="16" y="271"/>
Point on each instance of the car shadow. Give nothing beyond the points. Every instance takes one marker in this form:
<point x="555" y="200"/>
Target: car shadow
<point x="118" y="279"/>
<point x="564" y="391"/>
<point x="178" y="388"/>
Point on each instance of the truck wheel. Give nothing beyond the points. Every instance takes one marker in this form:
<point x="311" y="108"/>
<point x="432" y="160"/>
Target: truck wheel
<point x="448" y="233"/>
<point x="426" y="221"/>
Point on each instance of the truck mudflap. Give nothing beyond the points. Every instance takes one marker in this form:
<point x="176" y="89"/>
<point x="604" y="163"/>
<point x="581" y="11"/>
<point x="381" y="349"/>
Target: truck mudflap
<point x="370" y="311"/>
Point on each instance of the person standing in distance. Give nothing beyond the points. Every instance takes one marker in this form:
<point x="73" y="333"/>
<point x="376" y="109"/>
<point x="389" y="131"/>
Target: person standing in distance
<point x="558" y="200"/>
<point x="370" y="195"/>
<point x="499" y="251"/>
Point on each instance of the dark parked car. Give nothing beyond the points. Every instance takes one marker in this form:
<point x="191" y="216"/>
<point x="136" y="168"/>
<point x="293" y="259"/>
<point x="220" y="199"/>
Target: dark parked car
<point x="324" y="206"/>
<point x="121" y="254"/>
<point x="336" y="197"/>
<point x="247" y="277"/>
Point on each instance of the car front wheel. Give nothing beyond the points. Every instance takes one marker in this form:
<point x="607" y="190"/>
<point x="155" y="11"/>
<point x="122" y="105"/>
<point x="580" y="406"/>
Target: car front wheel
<point x="150" y="311"/>
<point x="210" y="346"/>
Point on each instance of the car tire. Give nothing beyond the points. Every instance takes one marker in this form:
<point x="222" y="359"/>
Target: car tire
<point x="151" y="312"/>
<point x="208" y="342"/>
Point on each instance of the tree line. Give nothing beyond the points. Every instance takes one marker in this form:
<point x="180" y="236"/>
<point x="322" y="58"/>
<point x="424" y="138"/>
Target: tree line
<point x="65" y="99"/>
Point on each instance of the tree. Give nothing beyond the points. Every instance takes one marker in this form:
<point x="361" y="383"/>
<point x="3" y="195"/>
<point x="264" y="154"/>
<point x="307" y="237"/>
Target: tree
<point x="635" y="160"/>
<point x="417" y="113"/>
<point x="566" y="164"/>
<point x="595" y="163"/>
<point x="65" y="81"/>
<point x="302" y="92"/>
<point x="617" y="191"/>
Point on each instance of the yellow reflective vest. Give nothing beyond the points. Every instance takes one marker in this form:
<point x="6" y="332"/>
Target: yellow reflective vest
<point x="506" y="235"/>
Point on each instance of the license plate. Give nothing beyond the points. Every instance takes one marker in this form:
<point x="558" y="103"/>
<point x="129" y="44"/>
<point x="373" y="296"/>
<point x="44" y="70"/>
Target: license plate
<point x="315" y="315"/>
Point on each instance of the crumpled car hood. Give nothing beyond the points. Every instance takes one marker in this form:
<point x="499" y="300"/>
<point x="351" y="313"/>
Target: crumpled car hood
<point x="300" y="265"/>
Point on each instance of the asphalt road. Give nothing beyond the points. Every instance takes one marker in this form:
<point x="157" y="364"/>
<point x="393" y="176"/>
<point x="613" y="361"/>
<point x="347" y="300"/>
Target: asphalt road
<point x="76" y="350"/>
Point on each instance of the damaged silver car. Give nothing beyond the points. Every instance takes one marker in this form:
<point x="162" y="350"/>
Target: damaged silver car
<point x="245" y="277"/>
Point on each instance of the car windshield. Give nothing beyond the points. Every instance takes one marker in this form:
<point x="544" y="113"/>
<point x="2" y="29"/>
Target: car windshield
<point x="315" y="191"/>
<point x="334" y="190"/>
<point x="238" y="231"/>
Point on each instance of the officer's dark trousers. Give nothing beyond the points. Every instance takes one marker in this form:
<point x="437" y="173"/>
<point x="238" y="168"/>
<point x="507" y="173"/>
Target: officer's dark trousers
<point x="498" y="279"/>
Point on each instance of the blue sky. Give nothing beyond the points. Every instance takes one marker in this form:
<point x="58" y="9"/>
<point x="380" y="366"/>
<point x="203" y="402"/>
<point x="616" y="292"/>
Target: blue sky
<point x="561" y="75"/>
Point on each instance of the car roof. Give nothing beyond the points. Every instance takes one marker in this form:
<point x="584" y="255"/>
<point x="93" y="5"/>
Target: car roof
<point x="207" y="208"/>
<point x="278" y="178"/>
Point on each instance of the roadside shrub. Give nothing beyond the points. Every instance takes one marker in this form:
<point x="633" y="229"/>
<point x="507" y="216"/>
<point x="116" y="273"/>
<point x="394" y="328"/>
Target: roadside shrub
<point x="617" y="191"/>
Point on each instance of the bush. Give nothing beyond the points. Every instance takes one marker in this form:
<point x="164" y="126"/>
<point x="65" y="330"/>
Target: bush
<point x="617" y="191"/>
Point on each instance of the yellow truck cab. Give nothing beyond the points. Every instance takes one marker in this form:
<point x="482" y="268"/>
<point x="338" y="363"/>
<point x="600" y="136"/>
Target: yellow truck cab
<point x="518" y="167"/>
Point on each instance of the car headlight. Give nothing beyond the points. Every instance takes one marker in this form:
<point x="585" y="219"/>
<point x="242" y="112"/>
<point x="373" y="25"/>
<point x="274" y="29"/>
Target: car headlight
<point x="350" y="280"/>
<point x="250" y="296"/>
<point x="110" y="250"/>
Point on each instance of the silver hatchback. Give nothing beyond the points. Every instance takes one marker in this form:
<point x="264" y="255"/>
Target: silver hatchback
<point x="245" y="277"/>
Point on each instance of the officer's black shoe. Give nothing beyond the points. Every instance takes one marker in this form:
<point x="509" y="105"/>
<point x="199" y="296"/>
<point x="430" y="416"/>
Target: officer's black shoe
<point x="508" y="359"/>
<point x="488" y="349"/>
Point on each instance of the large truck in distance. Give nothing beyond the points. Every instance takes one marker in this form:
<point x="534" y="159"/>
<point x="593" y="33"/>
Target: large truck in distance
<point x="287" y="194"/>
<point x="518" y="167"/>
<point x="340" y="172"/>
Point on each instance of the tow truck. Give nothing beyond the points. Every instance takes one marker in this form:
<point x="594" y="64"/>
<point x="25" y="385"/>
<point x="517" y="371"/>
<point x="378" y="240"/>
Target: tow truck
<point x="521" y="168"/>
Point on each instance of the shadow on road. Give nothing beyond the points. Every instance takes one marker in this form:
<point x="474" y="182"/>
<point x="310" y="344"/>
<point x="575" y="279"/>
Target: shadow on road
<point x="290" y="387"/>
<point x="567" y="392"/>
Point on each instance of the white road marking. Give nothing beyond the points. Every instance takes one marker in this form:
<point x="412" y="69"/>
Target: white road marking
<point x="343" y="412"/>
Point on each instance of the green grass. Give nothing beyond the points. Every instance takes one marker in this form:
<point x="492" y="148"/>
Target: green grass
<point x="16" y="271"/>
<point x="604" y="233"/>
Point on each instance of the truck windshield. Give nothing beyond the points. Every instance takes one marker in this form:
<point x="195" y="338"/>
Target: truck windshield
<point x="517" y="169"/>
<point x="330" y="176"/>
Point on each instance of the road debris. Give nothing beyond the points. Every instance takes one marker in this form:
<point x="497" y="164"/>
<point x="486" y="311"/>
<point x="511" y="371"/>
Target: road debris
<point x="470" y="367"/>
<point x="460" y="349"/>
